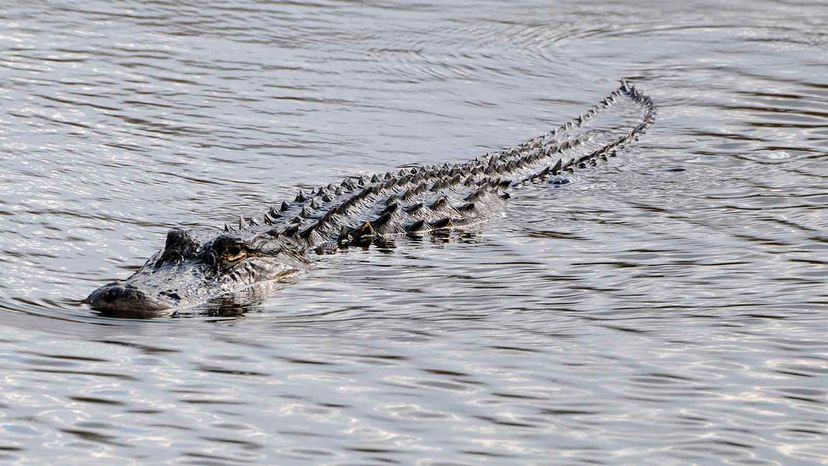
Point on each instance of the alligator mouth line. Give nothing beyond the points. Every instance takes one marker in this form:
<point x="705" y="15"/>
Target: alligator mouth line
<point x="200" y="264"/>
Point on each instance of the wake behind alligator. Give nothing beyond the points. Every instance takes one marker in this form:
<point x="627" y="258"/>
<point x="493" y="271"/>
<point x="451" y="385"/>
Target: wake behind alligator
<point x="197" y="265"/>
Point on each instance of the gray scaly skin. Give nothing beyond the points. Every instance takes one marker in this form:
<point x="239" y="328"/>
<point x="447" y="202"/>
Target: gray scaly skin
<point x="197" y="265"/>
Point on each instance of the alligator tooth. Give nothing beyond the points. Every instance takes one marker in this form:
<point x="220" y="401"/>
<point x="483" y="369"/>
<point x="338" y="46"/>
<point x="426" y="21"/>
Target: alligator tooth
<point x="300" y="197"/>
<point x="338" y="191"/>
<point x="253" y="221"/>
<point x="312" y="192"/>
<point x="360" y="181"/>
<point x="375" y="179"/>
<point x="242" y="223"/>
<point x="273" y="232"/>
<point x="304" y="213"/>
<point x="284" y="207"/>
<point x="296" y="220"/>
<point x="291" y="230"/>
<point x="326" y="198"/>
<point x="387" y="176"/>
<point x="227" y="228"/>
<point x="267" y="219"/>
<point x="314" y="204"/>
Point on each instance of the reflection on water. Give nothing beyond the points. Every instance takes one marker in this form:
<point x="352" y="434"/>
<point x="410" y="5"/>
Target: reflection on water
<point x="669" y="306"/>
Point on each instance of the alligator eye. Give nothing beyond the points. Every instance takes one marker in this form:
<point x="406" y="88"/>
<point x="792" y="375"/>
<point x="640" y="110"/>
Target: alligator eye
<point x="234" y="253"/>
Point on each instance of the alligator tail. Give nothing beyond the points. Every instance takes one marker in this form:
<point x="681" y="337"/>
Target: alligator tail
<point x="599" y="133"/>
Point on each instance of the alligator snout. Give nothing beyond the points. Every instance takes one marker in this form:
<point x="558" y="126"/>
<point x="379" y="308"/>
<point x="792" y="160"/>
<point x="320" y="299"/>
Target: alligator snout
<point x="123" y="297"/>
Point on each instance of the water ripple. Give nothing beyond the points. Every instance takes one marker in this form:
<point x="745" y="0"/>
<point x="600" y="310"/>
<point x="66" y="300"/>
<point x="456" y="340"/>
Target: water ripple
<point x="666" y="307"/>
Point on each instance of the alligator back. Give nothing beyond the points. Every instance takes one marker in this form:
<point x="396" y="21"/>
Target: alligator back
<point x="441" y="198"/>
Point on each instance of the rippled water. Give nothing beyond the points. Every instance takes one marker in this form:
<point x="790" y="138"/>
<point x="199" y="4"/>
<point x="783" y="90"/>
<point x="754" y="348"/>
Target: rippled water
<point x="669" y="307"/>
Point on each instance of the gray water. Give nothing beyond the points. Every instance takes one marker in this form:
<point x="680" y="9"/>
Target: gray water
<point x="666" y="308"/>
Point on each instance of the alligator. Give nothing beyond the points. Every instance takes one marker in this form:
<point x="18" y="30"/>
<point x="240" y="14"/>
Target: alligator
<point x="200" y="264"/>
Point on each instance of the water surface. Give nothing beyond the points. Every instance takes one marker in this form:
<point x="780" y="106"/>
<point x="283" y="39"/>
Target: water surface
<point x="666" y="308"/>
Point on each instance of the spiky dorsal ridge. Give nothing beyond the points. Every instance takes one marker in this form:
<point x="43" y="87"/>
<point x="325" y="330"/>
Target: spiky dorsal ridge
<point x="447" y="196"/>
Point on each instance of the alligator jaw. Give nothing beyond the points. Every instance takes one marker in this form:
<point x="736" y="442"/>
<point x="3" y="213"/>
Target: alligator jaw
<point x="117" y="296"/>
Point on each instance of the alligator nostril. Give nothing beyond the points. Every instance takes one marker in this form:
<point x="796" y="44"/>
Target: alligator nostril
<point x="129" y="293"/>
<point x="116" y="296"/>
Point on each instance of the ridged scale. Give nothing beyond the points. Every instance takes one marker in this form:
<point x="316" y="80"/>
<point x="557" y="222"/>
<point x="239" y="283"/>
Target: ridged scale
<point x="432" y="198"/>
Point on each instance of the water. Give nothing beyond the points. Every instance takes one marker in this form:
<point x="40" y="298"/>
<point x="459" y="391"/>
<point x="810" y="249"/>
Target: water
<point x="669" y="307"/>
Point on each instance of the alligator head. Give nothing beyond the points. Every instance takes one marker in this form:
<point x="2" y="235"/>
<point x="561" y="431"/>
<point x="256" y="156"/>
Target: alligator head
<point x="197" y="265"/>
